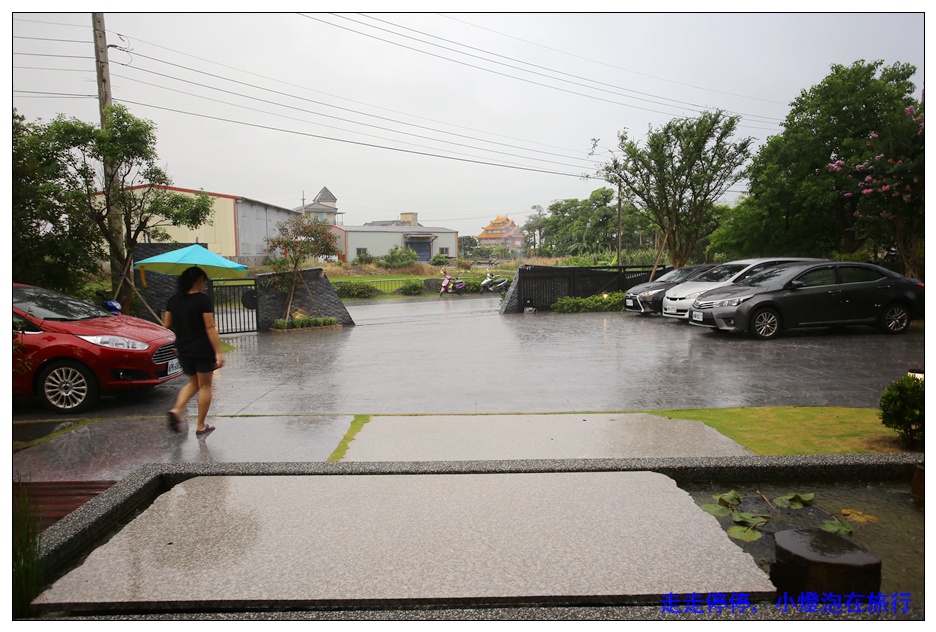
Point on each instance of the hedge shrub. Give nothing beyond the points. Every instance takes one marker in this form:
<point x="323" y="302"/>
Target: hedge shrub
<point x="413" y="287"/>
<point x="356" y="289"/>
<point x="598" y="303"/>
<point x="902" y="409"/>
<point x="302" y="323"/>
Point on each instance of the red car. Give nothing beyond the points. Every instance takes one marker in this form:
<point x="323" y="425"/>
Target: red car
<point x="68" y="352"/>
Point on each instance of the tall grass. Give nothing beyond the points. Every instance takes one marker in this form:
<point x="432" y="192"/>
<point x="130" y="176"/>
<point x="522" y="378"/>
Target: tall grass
<point x="27" y="573"/>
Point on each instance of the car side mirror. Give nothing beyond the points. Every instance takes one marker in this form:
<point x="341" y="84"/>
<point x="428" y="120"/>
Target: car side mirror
<point x="795" y="284"/>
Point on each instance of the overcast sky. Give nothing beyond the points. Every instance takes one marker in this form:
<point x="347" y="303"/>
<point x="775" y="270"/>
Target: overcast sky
<point x="457" y="117"/>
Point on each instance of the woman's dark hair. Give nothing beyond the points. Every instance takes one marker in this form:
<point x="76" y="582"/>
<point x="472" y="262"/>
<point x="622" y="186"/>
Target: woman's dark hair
<point x="188" y="278"/>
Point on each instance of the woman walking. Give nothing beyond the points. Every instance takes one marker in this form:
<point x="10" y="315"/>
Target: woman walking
<point x="190" y="315"/>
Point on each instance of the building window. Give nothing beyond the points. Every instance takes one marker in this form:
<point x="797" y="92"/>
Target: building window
<point x="443" y="251"/>
<point x="361" y="251"/>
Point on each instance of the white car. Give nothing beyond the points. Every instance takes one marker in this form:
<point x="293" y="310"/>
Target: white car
<point x="678" y="299"/>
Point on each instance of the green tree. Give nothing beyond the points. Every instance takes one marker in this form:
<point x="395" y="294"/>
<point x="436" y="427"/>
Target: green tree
<point x="799" y="200"/>
<point x="888" y="186"/>
<point x="55" y="244"/>
<point x="676" y="177"/>
<point x="133" y="186"/>
<point x="533" y="229"/>
<point x="398" y="257"/>
<point x="740" y="234"/>
<point x="466" y="244"/>
<point x="580" y="227"/>
<point x="299" y="239"/>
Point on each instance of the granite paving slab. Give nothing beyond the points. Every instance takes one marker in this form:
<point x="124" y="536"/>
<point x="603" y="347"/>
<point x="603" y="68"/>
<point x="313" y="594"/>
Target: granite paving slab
<point x="566" y="436"/>
<point x="562" y="538"/>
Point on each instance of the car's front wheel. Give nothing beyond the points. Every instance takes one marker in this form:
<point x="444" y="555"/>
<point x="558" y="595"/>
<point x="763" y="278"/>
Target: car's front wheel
<point x="66" y="386"/>
<point x="895" y="319"/>
<point x="765" y="323"/>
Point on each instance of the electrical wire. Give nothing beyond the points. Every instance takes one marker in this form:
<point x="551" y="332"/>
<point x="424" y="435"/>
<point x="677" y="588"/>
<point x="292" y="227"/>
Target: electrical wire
<point x="228" y="103"/>
<point x="530" y="81"/>
<point x="595" y="61"/>
<point x="370" y="105"/>
<point x="696" y="106"/>
<point x="592" y="162"/>
<point x="350" y="142"/>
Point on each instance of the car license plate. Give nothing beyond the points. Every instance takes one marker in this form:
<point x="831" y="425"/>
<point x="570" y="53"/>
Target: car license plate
<point x="174" y="367"/>
<point x="629" y="302"/>
<point x="669" y="310"/>
<point x="697" y="316"/>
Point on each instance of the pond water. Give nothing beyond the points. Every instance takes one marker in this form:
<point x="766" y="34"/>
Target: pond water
<point x="895" y="536"/>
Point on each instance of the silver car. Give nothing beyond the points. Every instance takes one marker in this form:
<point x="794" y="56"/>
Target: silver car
<point x="678" y="300"/>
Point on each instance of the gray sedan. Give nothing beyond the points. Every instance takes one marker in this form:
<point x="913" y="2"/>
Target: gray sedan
<point x="791" y="295"/>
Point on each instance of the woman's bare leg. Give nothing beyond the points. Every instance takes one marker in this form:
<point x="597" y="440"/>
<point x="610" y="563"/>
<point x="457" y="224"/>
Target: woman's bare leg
<point x="187" y="393"/>
<point x="204" y="397"/>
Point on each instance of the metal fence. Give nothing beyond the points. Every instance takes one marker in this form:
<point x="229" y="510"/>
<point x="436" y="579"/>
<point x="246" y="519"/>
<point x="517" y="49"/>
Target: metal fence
<point x="541" y="286"/>
<point x="385" y="286"/>
<point x="235" y="305"/>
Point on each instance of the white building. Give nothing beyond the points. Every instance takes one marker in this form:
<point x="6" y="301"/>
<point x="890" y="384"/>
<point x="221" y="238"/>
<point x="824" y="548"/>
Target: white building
<point x="377" y="238"/>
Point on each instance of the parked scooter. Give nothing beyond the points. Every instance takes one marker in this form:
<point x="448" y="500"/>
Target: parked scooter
<point x="109" y="304"/>
<point x="452" y="286"/>
<point x="492" y="283"/>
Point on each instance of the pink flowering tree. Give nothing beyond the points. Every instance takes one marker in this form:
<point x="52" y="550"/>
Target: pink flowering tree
<point x="884" y="189"/>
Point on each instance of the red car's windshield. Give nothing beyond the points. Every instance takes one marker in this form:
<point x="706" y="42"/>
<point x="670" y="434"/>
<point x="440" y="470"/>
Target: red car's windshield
<point x="49" y="305"/>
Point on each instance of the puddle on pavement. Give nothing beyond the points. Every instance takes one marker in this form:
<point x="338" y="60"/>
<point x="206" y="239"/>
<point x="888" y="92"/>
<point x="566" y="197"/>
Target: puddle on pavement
<point x="25" y="432"/>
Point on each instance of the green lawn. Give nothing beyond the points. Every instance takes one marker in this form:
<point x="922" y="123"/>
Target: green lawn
<point x="787" y="430"/>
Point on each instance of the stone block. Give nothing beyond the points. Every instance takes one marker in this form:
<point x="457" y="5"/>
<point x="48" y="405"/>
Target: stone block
<point x="813" y="560"/>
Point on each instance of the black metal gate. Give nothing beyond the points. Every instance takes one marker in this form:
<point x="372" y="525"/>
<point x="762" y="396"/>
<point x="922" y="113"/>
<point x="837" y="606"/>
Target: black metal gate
<point x="235" y="305"/>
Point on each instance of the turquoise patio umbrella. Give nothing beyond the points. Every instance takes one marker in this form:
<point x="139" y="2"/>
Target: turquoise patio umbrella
<point x="176" y="262"/>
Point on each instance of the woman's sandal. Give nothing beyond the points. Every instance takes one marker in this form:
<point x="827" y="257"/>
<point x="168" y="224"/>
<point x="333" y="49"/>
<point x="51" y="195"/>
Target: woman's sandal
<point x="205" y="432"/>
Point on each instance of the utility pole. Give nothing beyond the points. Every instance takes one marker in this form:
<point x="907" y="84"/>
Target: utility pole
<point x="619" y="223"/>
<point x="114" y="225"/>
<point x="100" y="61"/>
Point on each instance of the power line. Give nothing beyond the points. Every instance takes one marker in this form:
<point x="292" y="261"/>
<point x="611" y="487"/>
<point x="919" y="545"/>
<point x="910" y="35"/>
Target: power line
<point x="61" y="56"/>
<point x="587" y="96"/>
<point x="51" y="39"/>
<point x="321" y="124"/>
<point x="601" y="83"/>
<point x="595" y="61"/>
<point x="276" y="92"/>
<point x="378" y="107"/>
<point x="350" y="142"/>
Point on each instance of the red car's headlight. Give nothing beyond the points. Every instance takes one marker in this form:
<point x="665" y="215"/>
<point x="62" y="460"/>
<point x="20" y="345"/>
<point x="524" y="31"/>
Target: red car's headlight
<point x="116" y="342"/>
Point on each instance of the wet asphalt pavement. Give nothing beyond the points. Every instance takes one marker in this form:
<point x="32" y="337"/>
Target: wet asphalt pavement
<point x="291" y="397"/>
<point x="457" y="355"/>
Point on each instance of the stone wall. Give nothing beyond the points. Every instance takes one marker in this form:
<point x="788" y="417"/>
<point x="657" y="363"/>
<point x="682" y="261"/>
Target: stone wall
<point x="323" y="302"/>
<point x="511" y="302"/>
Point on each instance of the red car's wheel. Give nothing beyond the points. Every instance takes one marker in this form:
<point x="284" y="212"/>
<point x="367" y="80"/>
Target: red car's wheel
<point x="66" y="386"/>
